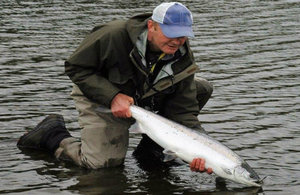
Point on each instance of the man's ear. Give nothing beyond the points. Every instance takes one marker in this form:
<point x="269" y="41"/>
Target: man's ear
<point x="151" y="25"/>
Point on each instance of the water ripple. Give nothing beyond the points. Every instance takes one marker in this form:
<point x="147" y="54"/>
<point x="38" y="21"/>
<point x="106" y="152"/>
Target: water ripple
<point x="249" y="50"/>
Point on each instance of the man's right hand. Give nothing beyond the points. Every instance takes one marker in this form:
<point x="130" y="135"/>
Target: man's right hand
<point x="120" y="105"/>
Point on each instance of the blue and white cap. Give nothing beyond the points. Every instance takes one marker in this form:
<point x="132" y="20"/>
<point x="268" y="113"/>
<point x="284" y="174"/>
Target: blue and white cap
<point x="174" y="19"/>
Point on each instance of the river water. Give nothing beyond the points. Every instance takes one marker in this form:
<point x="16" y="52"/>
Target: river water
<point x="249" y="51"/>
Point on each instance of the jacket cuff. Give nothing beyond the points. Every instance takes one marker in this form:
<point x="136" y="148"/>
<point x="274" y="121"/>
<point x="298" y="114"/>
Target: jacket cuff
<point x="111" y="99"/>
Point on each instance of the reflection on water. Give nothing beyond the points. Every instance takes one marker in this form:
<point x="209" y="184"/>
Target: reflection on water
<point x="249" y="50"/>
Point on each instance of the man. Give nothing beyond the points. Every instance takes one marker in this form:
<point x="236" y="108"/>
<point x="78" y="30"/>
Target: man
<point x="145" y="60"/>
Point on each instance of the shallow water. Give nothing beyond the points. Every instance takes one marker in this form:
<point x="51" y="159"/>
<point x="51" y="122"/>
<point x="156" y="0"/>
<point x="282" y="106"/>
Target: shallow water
<point x="249" y="50"/>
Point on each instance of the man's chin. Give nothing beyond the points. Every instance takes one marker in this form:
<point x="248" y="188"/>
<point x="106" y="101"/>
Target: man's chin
<point x="170" y="51"/>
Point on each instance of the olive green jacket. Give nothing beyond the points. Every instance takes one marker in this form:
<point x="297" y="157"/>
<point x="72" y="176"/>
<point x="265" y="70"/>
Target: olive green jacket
<point x="110" y="60"/>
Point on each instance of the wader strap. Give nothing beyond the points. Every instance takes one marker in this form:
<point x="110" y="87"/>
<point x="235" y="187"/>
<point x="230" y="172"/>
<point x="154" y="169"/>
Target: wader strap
<point x="164" y="84"/>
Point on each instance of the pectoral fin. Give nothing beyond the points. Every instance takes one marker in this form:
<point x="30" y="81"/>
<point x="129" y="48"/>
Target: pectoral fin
<point x="169" y="155"/>
<point x="136" y="128"/>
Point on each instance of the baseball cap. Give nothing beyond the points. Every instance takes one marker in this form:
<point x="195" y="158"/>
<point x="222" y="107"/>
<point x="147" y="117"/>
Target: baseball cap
<point x="174" y="19"/>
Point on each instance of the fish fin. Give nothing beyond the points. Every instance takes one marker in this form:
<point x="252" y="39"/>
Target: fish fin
<point x="180" y="161"/>
<point x="169" y="155"/>
<point x="136" y="128"/>
<point x="102" y="109"/>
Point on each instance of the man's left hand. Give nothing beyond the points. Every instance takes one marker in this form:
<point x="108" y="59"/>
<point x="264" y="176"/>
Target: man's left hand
<point x="198" y="165"/>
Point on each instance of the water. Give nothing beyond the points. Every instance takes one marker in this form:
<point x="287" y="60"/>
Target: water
<point x="249" y="50"/>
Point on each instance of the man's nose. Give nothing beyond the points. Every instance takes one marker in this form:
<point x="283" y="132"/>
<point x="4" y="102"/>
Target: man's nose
<point x="178" y="40"/>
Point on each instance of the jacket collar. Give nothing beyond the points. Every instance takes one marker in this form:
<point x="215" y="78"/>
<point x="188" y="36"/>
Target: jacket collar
<point x="137" y="25"/>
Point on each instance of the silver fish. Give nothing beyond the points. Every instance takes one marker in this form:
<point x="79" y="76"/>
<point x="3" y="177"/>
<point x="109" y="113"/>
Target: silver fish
<point x="187" y="144"/>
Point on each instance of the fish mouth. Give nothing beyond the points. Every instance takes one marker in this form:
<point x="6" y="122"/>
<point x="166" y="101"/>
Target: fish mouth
<point x="260" y="181"/>
<point x="253" y="175"/>
<point x="254" y="183"/>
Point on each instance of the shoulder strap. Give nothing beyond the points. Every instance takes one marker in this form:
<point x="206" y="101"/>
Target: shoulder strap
<point x="164" y="84"/>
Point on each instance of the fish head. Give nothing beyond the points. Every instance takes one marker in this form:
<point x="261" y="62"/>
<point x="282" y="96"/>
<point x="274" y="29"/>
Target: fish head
<point x="246" y="175"/>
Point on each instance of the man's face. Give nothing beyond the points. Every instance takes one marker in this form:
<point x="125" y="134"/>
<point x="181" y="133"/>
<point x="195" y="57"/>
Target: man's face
<point x="159" y="42"/>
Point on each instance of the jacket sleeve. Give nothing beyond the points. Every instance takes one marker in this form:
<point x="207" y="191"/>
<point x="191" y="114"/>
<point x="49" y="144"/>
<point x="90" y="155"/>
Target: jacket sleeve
<point x="89" y="65"/>
<point x="182" y="106"/>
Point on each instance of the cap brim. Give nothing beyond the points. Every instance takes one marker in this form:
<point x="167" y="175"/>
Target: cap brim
<point x="175" y="31"/>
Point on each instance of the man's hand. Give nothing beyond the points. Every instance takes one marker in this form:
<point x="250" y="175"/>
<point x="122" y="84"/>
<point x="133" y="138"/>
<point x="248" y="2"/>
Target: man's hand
<point x="120" y="105"/>
<point x="198" y="165"/>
